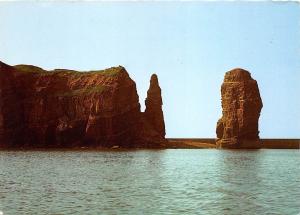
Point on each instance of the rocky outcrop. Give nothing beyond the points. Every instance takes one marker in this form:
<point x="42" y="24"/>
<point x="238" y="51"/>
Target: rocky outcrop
<point x="153" y="125"/>
<point x="65" y="108"/>
<point x="153" y="102"/>
<point x="241" y="104"/>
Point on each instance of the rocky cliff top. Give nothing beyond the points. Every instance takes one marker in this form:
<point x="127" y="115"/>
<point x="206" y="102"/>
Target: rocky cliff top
<point x="237" y="75"/>
<point x="69" y="82"/>
<point x="154" y="92"/>
<point x="154" y="80"/>
<point x="112" y="71"/>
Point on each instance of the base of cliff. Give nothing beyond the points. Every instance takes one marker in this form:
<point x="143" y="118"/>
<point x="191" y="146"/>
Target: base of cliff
<point x="176" y="143"/>
<point x="238" y="144"/>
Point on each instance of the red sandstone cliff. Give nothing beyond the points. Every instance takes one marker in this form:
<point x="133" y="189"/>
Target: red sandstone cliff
<point x="64" y="108"/>
<point x="241" y="104"/>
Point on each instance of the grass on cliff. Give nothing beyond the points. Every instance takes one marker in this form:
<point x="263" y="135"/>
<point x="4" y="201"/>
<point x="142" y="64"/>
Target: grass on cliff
<point x="113" y="71"/>
<point x="108" y="72"/>
<point x="29" y="68"/>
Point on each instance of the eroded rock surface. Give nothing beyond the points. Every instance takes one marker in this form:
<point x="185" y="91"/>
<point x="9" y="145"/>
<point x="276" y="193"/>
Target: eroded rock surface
<point x="241" y="104"/>
<point x="65" y="108"/>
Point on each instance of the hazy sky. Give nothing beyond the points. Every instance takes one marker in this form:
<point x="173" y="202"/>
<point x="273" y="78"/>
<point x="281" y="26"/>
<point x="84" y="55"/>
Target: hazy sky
<point x="189" y="45"/>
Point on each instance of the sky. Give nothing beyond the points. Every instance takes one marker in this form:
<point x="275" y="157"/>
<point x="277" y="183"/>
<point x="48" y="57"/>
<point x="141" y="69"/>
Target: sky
<point x="189" y="45"/>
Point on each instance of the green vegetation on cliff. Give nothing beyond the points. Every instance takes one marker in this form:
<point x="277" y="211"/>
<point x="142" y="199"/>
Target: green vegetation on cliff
<point x="29" y="68"/>
<point x="113" y="71"/>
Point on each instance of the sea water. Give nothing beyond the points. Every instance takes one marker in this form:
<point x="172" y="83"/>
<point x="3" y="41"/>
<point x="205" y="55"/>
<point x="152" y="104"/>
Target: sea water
<point x="174" y="181"/>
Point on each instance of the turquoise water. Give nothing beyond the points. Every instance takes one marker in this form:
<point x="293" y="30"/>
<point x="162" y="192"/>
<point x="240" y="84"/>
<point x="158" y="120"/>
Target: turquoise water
<point x="151" y="182"/>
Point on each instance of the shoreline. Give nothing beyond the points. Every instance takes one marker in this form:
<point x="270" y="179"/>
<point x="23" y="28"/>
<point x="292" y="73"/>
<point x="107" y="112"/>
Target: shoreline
<point x="176" y="143"/>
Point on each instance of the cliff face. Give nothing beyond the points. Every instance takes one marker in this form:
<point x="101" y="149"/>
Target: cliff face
<point x="10" y="116"/>
<point x="64" y="108"/>
<point x="241" y="104"/>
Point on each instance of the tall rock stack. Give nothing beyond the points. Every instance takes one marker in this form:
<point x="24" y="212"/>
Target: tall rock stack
<point x="153" y="112"/>
<point x="241" y="104"/>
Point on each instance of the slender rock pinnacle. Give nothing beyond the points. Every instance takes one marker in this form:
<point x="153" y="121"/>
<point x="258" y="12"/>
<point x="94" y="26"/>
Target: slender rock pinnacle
<point x="153" y="102"/>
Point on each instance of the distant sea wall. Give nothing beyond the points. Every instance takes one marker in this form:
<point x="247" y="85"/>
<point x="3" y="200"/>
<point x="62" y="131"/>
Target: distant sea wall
<point x="196" y="140"/>
<point x="211" y="143"/>
<point x="280" y="143"/>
